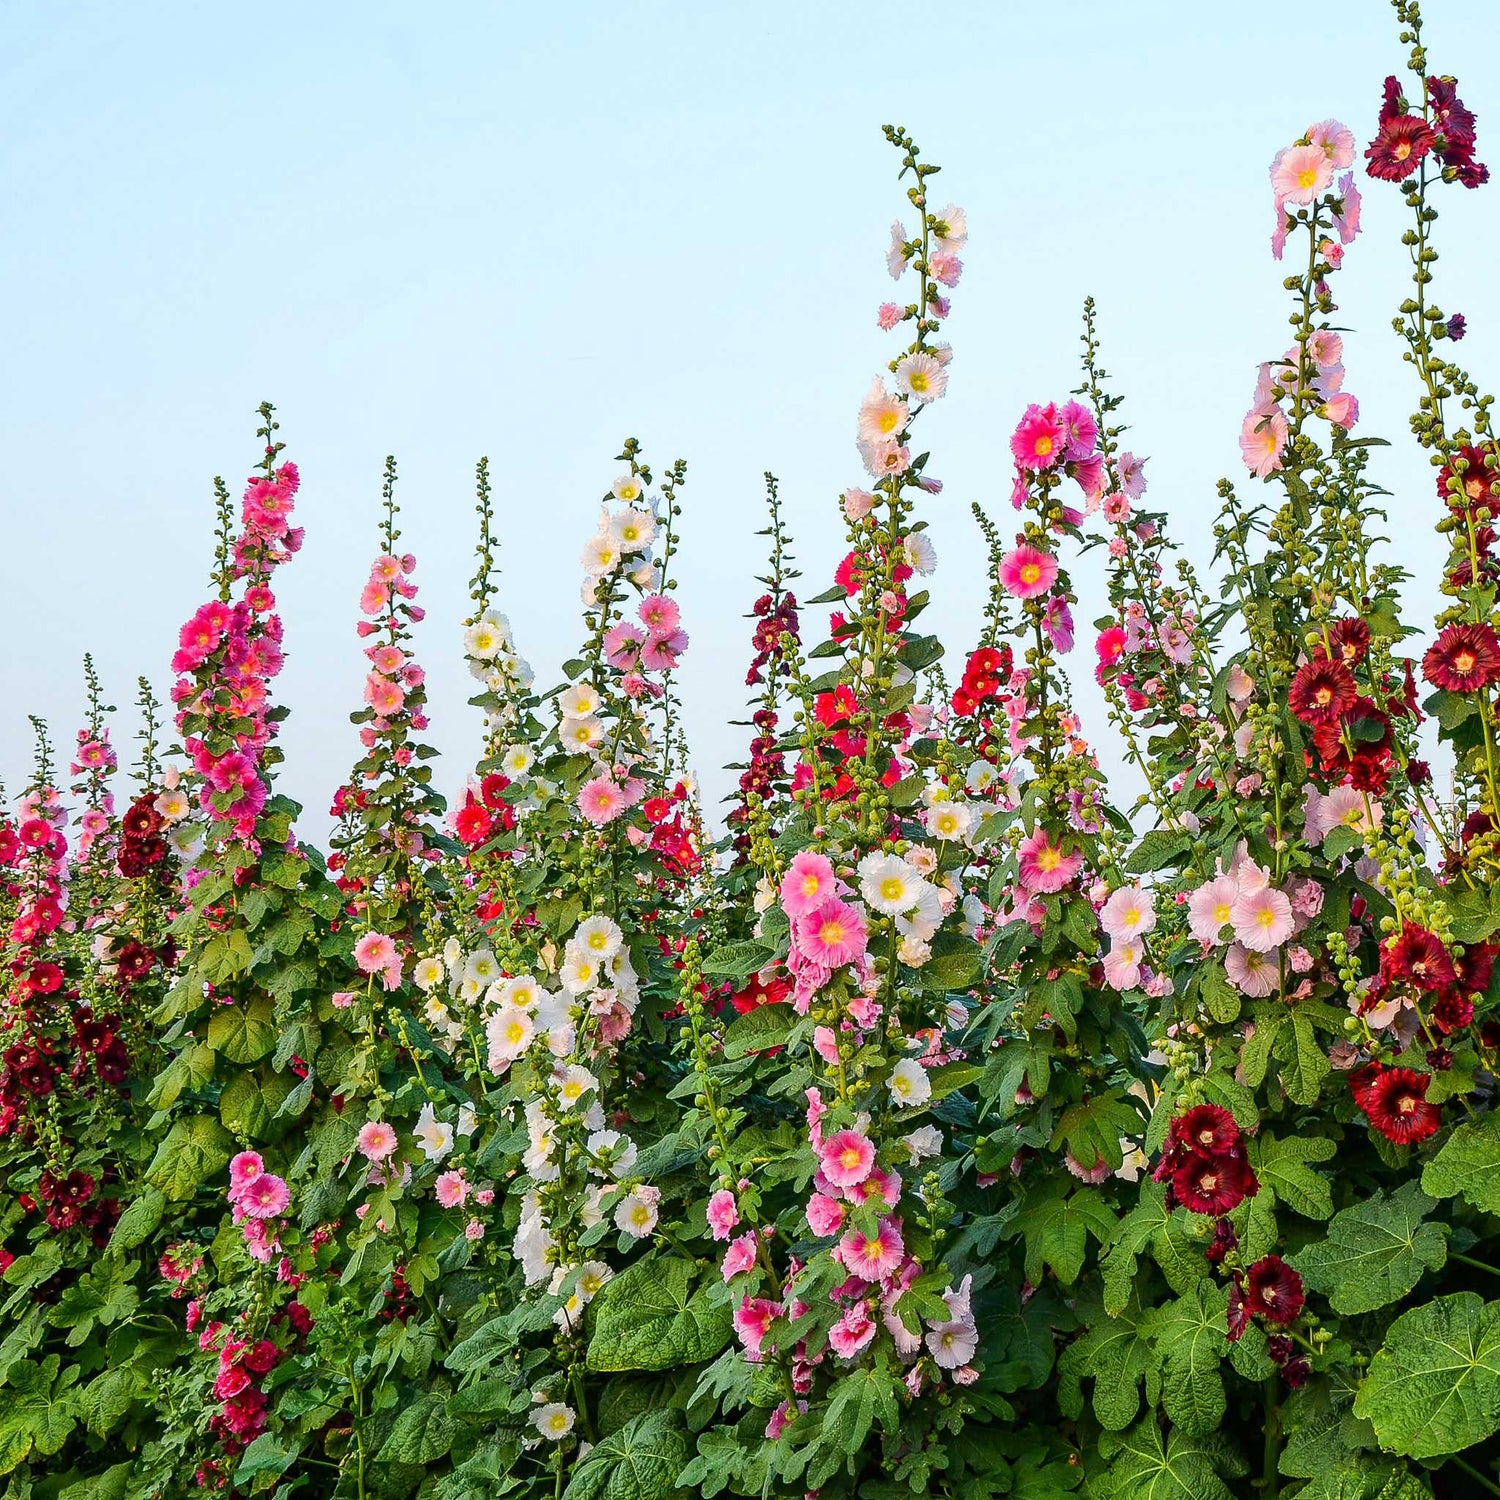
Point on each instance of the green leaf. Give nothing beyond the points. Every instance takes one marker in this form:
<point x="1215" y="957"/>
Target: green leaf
<point x="424" y="1431"/>
<point x="1188" y="1339"/>
<point x="1220" y="999"/>
<point x="243" y="1033"/>
<point x="1376" y="1251"/>
<point x="1056" y="1220"/>
<point x="756" y="1030"/>
<point x="194" y="1151"/>
<point x="1116" y="1355"/>
<point x="854" y="1404"/>
<point x="1156" y="850"/>
<point x="955" y="965"/>
<point x="1434" y="1386"/>
<point x="1304" y="1064"/>
<point x="264" y="1456"/>
<point x="1468" y="1165"/>
<point x="639" y="1462"/>
<point x="139" y="1220"/>
<point x="1145" y="1466"/>
<point x="647" y="1318"/>
<point x="101" y="1295"/>
<point x="738" y="960"/>
<point x="1283" y="1168"/>
<point x="251" y="1102"/>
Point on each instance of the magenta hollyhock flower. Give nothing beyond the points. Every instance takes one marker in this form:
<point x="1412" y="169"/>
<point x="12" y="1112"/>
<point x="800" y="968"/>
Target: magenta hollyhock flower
<point x="1043" y="867"/>
<point x="1039" y="440"/>
<point x="1058" y="624"/>
<point x="374" y="951"/>
<point x="1026" y="572"/>
<point x="846" y="1158"/>
<point x="739" y="1257"/>
<point x="807" y="884"/>
<point x="752" y="1319"/>
<point x="376" y="1140"/>
<point x="1346" y="221"/>
<point x="723" y="1214"/>
<point x="1080" y="430"/>
<point x="264" y="1198"/>
<point x="833" y="935"/>
<point x="876" y="1256"/>
<point x="825" y="1215"/>
<point x="243" y="1170"/>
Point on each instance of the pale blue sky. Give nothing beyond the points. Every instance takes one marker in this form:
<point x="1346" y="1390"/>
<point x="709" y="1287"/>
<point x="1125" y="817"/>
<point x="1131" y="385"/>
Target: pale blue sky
<point x="528" y="231"/>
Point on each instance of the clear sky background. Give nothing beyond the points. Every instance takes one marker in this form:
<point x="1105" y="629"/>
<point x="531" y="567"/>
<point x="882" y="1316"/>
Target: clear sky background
<point x="530" y="231"/>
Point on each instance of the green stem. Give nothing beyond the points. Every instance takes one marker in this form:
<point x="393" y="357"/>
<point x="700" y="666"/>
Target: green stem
<point x="1271" y="1452"/>
<point x="1475" y="1475"/>
<point x="1479" y="1265"/>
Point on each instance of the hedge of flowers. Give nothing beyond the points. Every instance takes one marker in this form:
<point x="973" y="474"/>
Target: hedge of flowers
<point x="941" y="1128"/>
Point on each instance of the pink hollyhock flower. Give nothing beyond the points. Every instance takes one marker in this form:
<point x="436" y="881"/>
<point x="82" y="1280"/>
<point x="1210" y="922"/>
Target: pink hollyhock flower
<point x="876" y="1256"/>
<point x="1300" y="173"/>
<point x="1039" y="440"/>
<point x="1341" y="409"/>
<point x="945" y="268"/>
<point x="833" y="935"/>
<point x="1057" y="621"/>
<point x="739" y="1257"/>
<point x="1251" y="973"/>
<point x="1080" y="430"/>
<point x="752" y="1320"/>
<point x="1122" y="965"/>
<point x="1043" y="867"/>
<point x="826" y="1045"/>
<point x="723" y="1214"/>
<point x="1117" y="509"/>
<point x="807" y="884"/>
<point x="264" y="1198"/>
<point x="1027" y="572"/>
<point x="852" y="1332"/>
<point x="622" y="645"/>
<point x="451" y="1189"/>
<point x="952" y="1344"/>
<point x="243" y="1170"/>
<point x="825" y="1215"/>
<point x="1130" y="472"/>
<point x="888" y="315"/>
<point x="342" y="999"/>
<point x="1262" y="437"/>
<point x="1262" y="920"/>
<point x="1325" y="348"/>
<point x="882" y="1185"/>
<point x="372" y="598"/>
<point x="659" y="614"/>
<point x="1211" y="906"/>
<point x="1335" y="140"/>
<point x="376" y="1140"/>
<point x="846" y="1158"/>
<point x="1129" y="912"/>
<point x="858" y="504"/>
<point x="1347" y="220"/>
<point x="374" y="951"/>
<point x="601" y="801"/>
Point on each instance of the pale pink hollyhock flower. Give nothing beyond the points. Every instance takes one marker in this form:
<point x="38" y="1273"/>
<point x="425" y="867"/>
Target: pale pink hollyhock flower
<point x="473" y="1230"/>
<point x="807" y="884"/>
<point x="1211" y="906"/>
<point x="739" y="1257"/>
<point x="376" y="1140"/>
<point x="1341" y="409"/>
<point x="1043" y="867"/>
<point x="1122" y="966"/>
<point x="888" y="315"/>
<point x="876" y="1256"/>
<point x="952" y="1344"/>
<point x="1300" y="960"/>
<point x="1300" y="173"/>
<point x="622" y="645"/>
<point x="451" y="1189"/>
<point x="954" y="234"/>
<point x="921" y="377"/>
<point x="833" y="935"/>
<point x="881" y="415"/>
<point x="1095" y="1174"/>
<point x="882" y="459"/>
<point x="1262" y="437"/>
<point x="846" y="1158"/>
<point x="342" y="999"/>
<point x="1378" y="1017"/>
<point x="374" y="951"/>
<point x="752" y="1319"/>
<point x="895" y="257"/>
<point x="601" y="801"/>
<point x="723" y="1214"/>
<point x="825" y="1215"/>
<point x="1347" y="222"/>
<point x="852" y="1332"/>
<point x="1335" y="140"/>
<point x="826" y="1045"/>
<point x="1262" y="920"/>
<point x="1251" y="973"/>
<point x="1129" y="912"/>
<point x="266" y="1197"/>
<point x="1131" y="473"/>
<point x="1116" y="509"/>
<point x="243" y="1170"/>
<point x="1325" y="348"/>
<point x="945" y="268"/>
<point x="858" y="504"/>
<point x="1027" y="572"/>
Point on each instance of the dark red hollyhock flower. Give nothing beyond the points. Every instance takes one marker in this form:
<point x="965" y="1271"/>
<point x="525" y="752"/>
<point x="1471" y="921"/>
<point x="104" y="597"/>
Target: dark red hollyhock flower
<point x="1457" y="326"/>
<point x="1214" y="1185"/>
<point x="472" y="824"/>
<point x="1392" y="101"/>
<point x="1471" y="488"/>
<point x="1475" y="968"/>
<point x="1463" y="659"/>
<point x="1418" y="772"/>
<point x="1395" y="1101"/>
<point x="299" y="1317"/>
<point x="1224" y="1240"/>
<point x="1236" y="1314"/>
<point x="1206" y="1130"/>
<point x="141" y="819"/>
<point x="92" y="1033"/>
<point x="1457" y="130"/>
<point x="134" y="961"/>
<point x="1451" y="1012"/>
<point x="1322" y="691"/>
<point x="1350" y="640"/>
<point x="44" y="978"/>
<point x="1295" y="1371"/>
<point x="1418" y="958"/>
<point x="1274" y="1290"/>
<point x="1402" y="142"/>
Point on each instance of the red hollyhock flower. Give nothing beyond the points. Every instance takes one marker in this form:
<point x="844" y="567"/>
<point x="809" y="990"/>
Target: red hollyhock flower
<point x="1206" y="1130"/>
<point x="1463" y="659"/>
<point x="1274" y="1290"/>
<point x="1214" y="1185"/>
<point x="490" y="788"/>
<point x="1470" y="489"/>
<point x="760" y="992"/>
<point x="964" y="703"/>
<point x="1475" y="968"/>
<point x="1401" y="144"/>
<point x="1395" y="1101"/>
<point x="45" y="978"/>
<point x="1322" y="692"/>
<point x="472" y="824"/>
<point x="1417" y="958"/>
